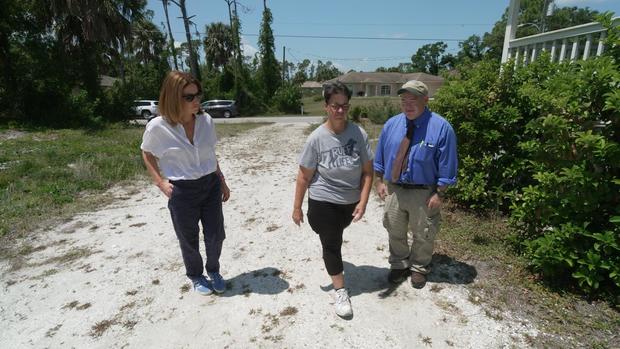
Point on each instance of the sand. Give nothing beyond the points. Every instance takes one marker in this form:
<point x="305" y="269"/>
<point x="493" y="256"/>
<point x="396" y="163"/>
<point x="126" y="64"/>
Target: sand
<point x="114" y="278"/>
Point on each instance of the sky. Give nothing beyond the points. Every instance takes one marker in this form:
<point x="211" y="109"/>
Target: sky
<point x="399" y="27"/>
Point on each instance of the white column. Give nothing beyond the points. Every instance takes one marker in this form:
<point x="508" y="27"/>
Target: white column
<point x="553" y="50"/>
<point x="534" y="53"/>
<point x="586" y="49"/>
<point x="573" y="52"/>
<point x="511" y="27"/>
<point x="563" y="50"/>
<point x="517" y="55"/>
<point x="601" y="44"/>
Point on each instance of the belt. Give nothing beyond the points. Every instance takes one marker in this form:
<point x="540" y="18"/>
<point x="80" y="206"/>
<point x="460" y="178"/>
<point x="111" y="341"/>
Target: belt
<point x="412" y="186"/>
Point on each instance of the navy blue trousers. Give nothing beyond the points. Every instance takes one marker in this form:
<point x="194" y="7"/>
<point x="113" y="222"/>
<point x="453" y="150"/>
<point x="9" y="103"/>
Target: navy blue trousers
<point x="191" y="202"/>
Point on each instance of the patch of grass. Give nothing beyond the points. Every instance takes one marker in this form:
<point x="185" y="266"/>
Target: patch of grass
<point x="230" y="130"/>
<point x="336" y="327"/>
<point x="436" y="288"/>
<point x="70" y="256"/>
<point x="129" y="324"/>
<point x="272" y="227"/>
<point x="426" y="340"/>
<point x="58" y="173"/>
<point x="505" y="285"/>
<point x="52" y="331"/>
<point x="70" y="305"/>
<point x="100" y="327"/>
<point x="288" y="311"/>
<point x="83" y="306"/>
<point x="127" y="306"/>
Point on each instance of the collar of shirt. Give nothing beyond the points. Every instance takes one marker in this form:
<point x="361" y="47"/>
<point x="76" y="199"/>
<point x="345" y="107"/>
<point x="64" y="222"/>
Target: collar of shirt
<point x="420" y="120"/>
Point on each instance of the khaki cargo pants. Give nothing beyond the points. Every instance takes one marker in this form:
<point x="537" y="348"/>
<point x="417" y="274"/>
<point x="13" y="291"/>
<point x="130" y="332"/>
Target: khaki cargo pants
<point x="406" y="211"/>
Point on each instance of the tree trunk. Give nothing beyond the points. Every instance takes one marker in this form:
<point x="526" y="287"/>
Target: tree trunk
<point x="193" y="60"/>
<point x="173" y="50"/>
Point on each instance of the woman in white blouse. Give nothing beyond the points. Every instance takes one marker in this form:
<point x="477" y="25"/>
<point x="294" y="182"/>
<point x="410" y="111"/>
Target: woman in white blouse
<point x="178" y="149"/>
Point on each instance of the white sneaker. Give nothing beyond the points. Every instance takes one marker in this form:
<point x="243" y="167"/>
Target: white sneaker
<point x="343" y="303"/>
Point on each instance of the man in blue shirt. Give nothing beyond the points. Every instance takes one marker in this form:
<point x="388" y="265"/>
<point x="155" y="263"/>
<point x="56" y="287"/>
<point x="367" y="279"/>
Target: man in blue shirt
<point x="415" y="161"/>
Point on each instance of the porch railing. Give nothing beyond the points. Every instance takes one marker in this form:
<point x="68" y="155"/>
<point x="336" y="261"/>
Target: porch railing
<point x="578" y="42"/>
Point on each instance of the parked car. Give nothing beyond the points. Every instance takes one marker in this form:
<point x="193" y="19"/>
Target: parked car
<point x="221" y="108"/>
<point x="146" y="108"/>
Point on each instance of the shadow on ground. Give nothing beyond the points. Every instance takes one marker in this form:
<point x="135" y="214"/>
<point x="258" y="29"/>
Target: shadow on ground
<point x="368" y="279"/>
<point x="447" y="269"/>
<point x="262" y="281"/>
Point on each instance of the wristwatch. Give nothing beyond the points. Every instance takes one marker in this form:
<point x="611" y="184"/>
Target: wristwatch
<point x="441" y="193"/>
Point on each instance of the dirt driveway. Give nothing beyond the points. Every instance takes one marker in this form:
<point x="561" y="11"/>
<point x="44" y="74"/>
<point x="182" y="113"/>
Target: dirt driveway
<point x="114" y="278"/>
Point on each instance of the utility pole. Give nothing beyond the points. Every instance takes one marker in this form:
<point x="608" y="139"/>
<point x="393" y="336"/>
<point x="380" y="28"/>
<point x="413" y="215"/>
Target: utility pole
<point x="283" y="62"/>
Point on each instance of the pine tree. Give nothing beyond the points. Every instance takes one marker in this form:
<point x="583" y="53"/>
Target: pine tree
<point x="269" y="72"/>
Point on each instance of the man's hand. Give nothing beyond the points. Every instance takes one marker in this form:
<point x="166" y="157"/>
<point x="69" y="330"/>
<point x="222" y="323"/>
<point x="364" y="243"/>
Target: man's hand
<point x="298" y="216"/>
<point x="434" y="201"/>
<point x="381" y="189"/>
<point x="166" y="188"/>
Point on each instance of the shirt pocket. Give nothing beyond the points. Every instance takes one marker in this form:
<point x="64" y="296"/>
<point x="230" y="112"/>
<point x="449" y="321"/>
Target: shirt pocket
<point x="425" y="153"/>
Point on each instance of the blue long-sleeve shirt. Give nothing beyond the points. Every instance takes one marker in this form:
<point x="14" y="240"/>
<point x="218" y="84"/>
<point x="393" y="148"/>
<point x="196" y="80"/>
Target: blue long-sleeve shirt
<point x="432" y="159"/>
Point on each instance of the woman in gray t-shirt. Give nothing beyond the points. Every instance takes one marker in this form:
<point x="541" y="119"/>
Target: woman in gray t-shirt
<point x="335" y="167"/>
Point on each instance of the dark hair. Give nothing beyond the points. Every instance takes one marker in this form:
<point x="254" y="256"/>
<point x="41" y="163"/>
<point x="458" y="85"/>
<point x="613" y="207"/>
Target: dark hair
<point x="335" y="88"/>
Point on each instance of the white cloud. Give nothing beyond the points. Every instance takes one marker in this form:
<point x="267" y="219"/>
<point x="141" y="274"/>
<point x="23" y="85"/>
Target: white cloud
<point x="248" y="50"/>
<point x="341" y="67"/>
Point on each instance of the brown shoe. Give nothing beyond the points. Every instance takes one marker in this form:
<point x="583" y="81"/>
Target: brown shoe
<point x="418" y="280"/>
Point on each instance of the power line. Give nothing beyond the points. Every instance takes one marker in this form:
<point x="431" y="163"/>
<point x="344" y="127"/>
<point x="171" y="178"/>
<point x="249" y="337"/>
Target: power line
<point x="418" y="24"/>
<point x="358" y="38"/>
<point x="338" y="37"/>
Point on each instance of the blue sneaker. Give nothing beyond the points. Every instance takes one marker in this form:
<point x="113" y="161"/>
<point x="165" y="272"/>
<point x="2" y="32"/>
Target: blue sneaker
<point x="202" y="286"/>
<point x="217" y="282"/>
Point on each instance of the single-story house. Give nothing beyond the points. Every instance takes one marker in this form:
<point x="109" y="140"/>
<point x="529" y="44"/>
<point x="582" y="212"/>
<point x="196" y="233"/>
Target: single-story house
<point x="311" y="87"/>
<point x="371" y="84"/>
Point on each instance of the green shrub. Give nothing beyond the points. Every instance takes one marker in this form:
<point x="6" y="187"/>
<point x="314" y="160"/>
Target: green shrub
<point x="117" y="102"/>
<point x="355" y="114"/>
<point x="541" y="143"/>
<point x="570" y="251"/>
<point x="287" y="98"/>
<point x="379" y="113"/>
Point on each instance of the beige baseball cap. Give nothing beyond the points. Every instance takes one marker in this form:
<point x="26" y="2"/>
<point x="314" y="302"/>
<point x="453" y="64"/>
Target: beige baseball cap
<point x="416" y="87"/>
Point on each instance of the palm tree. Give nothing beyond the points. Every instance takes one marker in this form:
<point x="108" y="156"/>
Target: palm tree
<point x="147" y="42"/>
<point x="88" y="28"/>
<point x="218" y="44"/>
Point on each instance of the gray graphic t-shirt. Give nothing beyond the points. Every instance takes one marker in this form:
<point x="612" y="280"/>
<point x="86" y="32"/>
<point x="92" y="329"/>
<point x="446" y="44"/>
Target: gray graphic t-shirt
<point x="338" y="160"/>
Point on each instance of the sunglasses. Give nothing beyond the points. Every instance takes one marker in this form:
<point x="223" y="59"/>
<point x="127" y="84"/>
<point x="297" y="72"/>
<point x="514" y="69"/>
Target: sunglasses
<point x="190" y="97"/>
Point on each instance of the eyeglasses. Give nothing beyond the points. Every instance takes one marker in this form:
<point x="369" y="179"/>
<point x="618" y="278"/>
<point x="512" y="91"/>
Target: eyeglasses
<point x="336" y="107"/>
<point x="408" y="100"/>
<point x="190" y="97"/>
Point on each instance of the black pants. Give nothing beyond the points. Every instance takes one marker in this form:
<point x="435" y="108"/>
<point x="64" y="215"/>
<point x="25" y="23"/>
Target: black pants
<point x="328" y="220"/>
<point x="193" y="201"/>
